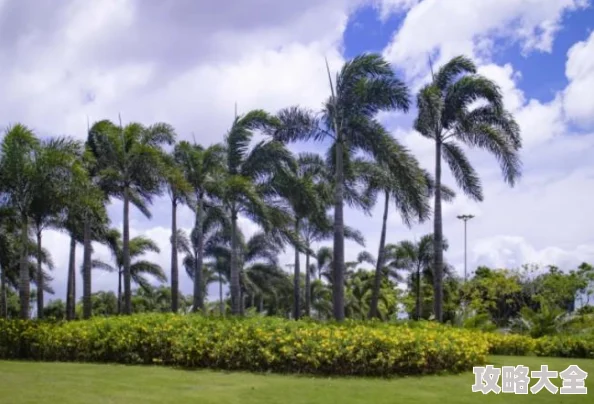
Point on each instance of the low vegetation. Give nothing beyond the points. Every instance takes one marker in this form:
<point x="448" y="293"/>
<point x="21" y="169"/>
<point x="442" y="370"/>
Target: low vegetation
<point x="258" y="344"/>
<point x="269" y="344"/>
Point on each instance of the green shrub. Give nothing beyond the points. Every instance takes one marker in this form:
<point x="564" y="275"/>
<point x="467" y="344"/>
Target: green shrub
<point x="566" y="346"/>
<point x="510" y="344"/>
<point x="258" y="344"/>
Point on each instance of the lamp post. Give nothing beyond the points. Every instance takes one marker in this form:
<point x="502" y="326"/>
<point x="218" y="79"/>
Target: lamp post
<point x="466" y="218"/>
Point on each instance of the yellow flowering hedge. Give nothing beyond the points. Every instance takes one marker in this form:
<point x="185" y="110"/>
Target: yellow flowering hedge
<point x="510" y="344"/>
<point x="566" y="346"/>
<point x="261" y="344"/>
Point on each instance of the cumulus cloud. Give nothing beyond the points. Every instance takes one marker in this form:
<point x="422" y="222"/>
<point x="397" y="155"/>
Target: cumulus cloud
<point x="579" y="103"/>
<point x="455" y="27"/>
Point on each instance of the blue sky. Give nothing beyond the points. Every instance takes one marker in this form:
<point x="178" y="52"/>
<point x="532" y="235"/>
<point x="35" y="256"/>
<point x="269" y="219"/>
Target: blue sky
<point x="187" y="63"/>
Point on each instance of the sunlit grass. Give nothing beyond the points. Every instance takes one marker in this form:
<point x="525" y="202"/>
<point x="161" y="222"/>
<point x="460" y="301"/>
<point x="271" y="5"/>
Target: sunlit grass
<point x="66" y="383"/>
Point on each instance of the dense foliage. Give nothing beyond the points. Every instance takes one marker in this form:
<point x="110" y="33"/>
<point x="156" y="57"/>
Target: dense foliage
<point x="272" y="344"/>
<point x="258" y="344"/>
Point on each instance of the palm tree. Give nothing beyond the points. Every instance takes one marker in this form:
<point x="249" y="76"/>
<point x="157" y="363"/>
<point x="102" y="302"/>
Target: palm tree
<point x="365" y="86"/>
<point x="412" y="203"/>
<point x="10" y="250"/>
<point x="312" y="222"/>
<point x="32" y="174"/>
<point x="51" y="174"/>
<point x="84" y="217"/>
<point x="17" y="169"/>
<point x="447" y="114"/>
<point x="262" y="276"/>
<point x="321" y="300"/>
<point x="305" y="189"/>
<point x="417" y="258"/>
<point x="179" y="190"/>
<point x="242" y="189"/>
<point x="324" y="257"/>
<point x="202" y="169"/>
<point x="215" y="237"/>
<point x="130" y="167"/>
<point x="139" y="269"/>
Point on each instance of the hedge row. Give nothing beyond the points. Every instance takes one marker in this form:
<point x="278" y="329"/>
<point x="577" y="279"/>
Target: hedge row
<point x="262" y="344"/>
<point x="565" y="346"/>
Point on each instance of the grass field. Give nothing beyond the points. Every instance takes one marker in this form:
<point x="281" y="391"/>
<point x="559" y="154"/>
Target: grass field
<point x="67" y="383"/>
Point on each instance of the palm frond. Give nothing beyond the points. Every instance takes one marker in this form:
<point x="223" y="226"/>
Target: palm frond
<point x="464" y="174"/>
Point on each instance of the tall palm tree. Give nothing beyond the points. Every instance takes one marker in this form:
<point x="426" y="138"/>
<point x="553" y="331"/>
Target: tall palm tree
<point x="305" y="189"/>
<point x="365" y="86"/>
<point x="17" y="169"/>
<point x="179" y="190"/>
<point x="412" y="203"/>
<point x="448" y="115"/>
<point x="203" y="168"/>
<point x="139" y="269"/>
<point x="130" y="167"/>
<point x="242" y="190"/>
<point x="30" y="172"/>
<point x="52" y="172"/>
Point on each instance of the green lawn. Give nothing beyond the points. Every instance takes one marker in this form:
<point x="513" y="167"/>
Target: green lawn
<point x="66" y="383"/>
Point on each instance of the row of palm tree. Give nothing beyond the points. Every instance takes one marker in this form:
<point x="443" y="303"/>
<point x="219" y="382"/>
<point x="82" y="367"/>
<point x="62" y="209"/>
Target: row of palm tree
<point x="64" y="184"/>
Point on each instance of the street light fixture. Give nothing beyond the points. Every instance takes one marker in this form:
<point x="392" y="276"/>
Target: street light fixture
<point x="466" y="218"/>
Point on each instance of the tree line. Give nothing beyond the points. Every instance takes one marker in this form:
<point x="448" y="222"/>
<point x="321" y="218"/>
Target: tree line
<point x="296" y="200"/>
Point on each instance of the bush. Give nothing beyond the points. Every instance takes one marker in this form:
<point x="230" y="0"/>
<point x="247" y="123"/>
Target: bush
<point x="510" y="344"/>
<point x="563" y="346"/>
<point x="259" y="344"/>
<point x="566" y="346"/>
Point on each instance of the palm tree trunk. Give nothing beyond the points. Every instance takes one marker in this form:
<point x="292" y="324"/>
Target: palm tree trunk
<point x="296" y="280"/>
<point x="174" y="268"/>
<point x="39" y="276"/>
<point x="221" y="303"/>
<point x="261" y="304"/>
<point x="418" y="294"/>
<point x="87" y="249"/>
<point x="24" y="286"/>
<point x="307" y="282"/>
<point x="3" y="297"/>
<point x="71" y="292"/>
<point x="377" y="281"/>
<point x="438" y="239"/>
<point x="126" y="256"/>
<point x="234" y="287"/>
<point x="120" y="290"/>
<point x="198" y="298"/>
<point x="241" y="302"/>
<point x="339" y="269"/>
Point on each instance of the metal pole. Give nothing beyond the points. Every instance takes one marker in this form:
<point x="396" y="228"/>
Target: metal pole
<point x="465" y="218"/>
<point x="465" y="254"/>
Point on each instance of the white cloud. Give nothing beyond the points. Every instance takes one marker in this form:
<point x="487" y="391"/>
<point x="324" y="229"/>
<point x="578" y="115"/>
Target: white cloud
<point x="579" y="103"/>
<point x="514" y="251"/>
<point x="469" y="27"/>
